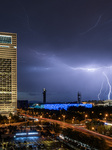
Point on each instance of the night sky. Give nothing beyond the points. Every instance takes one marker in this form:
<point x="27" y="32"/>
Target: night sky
<point x="64" y="46"/>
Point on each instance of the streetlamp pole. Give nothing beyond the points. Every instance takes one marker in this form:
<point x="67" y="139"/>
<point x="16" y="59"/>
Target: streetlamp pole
<point x="106" y="115"/>
<point x="85" y="118"/>
<point x="63" y="118"/>
<point x="9" y="119"/>
<point x="73" y="119"/>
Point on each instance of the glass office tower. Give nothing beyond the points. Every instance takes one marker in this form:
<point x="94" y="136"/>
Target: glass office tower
<point x="8" y="73"/>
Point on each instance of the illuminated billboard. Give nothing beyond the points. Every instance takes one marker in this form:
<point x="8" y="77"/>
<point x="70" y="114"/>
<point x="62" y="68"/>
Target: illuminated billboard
<point x="5" y="39"/>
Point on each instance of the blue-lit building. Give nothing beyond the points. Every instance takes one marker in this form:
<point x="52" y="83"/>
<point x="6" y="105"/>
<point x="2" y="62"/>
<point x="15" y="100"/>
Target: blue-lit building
<point x="59" y="106"/>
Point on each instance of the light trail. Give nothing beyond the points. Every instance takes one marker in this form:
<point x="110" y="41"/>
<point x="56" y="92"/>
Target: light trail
<point x="100" y="91"/>
<point x="108" y="85"/>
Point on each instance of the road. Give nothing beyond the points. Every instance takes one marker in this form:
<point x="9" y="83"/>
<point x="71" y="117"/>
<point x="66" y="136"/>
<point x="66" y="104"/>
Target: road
<point x="12" y="124"/>
<point x="80" y="129"/>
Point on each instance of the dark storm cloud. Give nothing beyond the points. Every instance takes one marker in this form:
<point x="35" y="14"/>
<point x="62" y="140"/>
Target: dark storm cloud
<point x="63" y="46"/>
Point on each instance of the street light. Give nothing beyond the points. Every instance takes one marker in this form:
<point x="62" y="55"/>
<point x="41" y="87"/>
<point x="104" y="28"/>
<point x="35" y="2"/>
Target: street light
<point x="73" y="119"/>
<point x="63" y="117"/>
<point x="93" y="128"/>
<point x="106" y="115"/>
<point x="9" y="119"/>
<point x="86" y="117"/>
<point x="41" y="116"/>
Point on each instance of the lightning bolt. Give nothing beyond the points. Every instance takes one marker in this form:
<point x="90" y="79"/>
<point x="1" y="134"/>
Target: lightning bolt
<point x="100" y="91"/>
<point x="108" y="85"/>
<point x="91" y="69"/>
<point x="96" y="24"/>
<point x="85" y="69"/>
<point x="25" y="12"/>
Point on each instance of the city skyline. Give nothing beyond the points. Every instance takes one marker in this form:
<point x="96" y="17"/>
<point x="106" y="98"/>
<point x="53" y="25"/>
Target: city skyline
<point x="63" y="46"/>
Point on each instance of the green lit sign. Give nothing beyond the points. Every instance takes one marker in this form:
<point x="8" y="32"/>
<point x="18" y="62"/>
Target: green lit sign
<point x="5" y="39"/>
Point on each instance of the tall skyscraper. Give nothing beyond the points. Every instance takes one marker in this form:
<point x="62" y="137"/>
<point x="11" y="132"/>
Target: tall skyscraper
<point x="8" y="72"/>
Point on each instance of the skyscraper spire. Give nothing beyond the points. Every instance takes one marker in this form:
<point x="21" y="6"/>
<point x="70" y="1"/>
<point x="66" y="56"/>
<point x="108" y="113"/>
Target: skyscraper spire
<point x="79" y="98"/>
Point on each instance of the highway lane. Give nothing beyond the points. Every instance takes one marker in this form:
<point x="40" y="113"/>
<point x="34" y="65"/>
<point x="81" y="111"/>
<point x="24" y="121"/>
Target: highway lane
<point x="11" y="124"/>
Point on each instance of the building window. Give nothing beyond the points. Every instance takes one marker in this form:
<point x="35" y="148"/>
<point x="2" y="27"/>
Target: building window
<point x="5" y="39"/>
<point x="5" y="80"/>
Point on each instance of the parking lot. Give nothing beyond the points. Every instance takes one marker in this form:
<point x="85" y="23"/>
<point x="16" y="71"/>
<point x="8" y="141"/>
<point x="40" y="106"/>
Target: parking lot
<point x="35" y="143"/>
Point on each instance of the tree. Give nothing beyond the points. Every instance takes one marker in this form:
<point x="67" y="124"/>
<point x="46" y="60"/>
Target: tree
<point x="57" y="128"/>
<point x="110" y="131"/>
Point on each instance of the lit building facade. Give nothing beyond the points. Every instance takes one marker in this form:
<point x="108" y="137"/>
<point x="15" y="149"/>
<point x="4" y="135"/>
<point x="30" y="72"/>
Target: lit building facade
<point x="59" y="106"/>
<point x="8" y="73"/>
